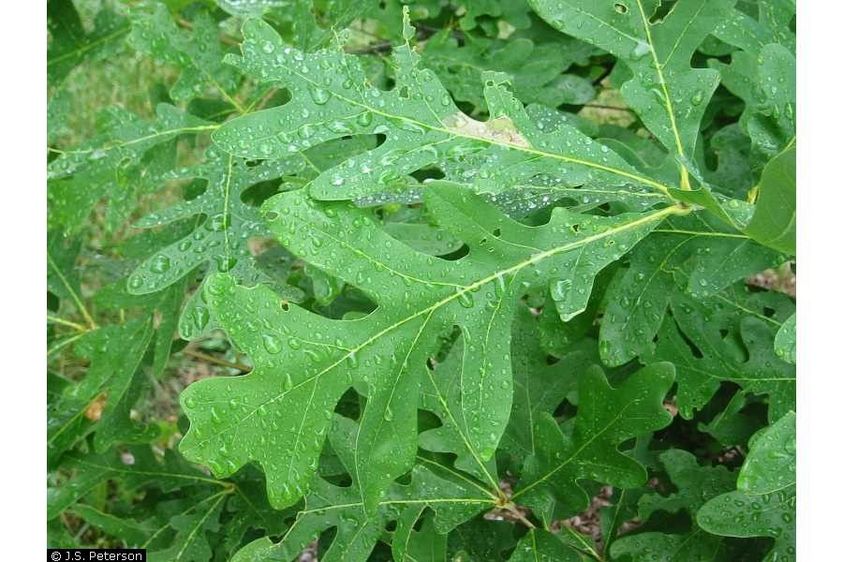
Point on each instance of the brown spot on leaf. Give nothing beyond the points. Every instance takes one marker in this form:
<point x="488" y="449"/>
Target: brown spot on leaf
<point x="500" y="130"/>
<point x="94" y="410"/>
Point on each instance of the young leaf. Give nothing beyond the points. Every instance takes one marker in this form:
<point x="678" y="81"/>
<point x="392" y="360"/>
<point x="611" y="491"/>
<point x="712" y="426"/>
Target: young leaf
<point x="606" y="417"/>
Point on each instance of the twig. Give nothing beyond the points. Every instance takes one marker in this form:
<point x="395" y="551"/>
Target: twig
<point x="216" y="360"/>
<point x="612" y="107"/>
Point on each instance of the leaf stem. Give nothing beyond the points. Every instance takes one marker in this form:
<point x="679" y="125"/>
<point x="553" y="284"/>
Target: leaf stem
<point x="63" y="322"/>
<point x="513" y="509"/>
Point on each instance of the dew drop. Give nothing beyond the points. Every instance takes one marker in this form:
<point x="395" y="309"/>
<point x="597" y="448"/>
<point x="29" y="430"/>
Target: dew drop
<point x="271" y="344"/>
<point x="160" y="264"/>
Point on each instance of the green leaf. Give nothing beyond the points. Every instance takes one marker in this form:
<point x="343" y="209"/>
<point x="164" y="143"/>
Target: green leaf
<point x="541" y="546"/>
<point x="132" y="533"/>
<point x="694" y="341"/>
<point x="190" y="543"/>
<point x="197" y="52"/>
<point x="785" y="342"/>
<point x="135" y="467"/>
<point x="663" y="547"/>
<point x="102" y="400"/>
<point x="513" y="12"/>
<point x="70" y="44"/>
<point x="774" y="221"/>
<point x="539" y="388"/>
<point x="422" y="125"/>
<point x="224" y="224"/>
<point x="696" y="255"/>
<point x="304" y="359"/>
<point x="606" y="417"/>
<point x="668" y="95"/>
<point x="734" y="425"/>
<point x="536" y="69"/>
<point x="763" y="71"/>
<point x="442" y="394"/>
<point x="62" y="275"/>
<point x="764" y="504"/>
<point x="482" y="540"/>
<point x="695" y="485"/>
<point x="453" y="501"/>
<point x="128" y="158"/>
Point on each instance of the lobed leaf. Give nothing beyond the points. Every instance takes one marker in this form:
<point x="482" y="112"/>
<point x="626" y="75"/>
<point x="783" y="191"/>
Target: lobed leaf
<point x="302" y="358"/>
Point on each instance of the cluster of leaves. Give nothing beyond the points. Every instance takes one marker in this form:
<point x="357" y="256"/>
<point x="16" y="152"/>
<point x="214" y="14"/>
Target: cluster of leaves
<point x="446" y="268"/>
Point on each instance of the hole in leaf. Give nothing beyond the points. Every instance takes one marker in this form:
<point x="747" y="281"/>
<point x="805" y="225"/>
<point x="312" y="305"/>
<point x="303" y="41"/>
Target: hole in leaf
<point x="695" y="351"/>
<point x="428" y="174"/>
<point x="405" y="478"/>
<point x="350" y="404"/>
<point x="195" y="188"/>
<point x="565" y="410"/>
<point x="255" y="195"/>
<point x="621" y="8"/>
<point x="341" y="480"/>
<point x="460" y="252"/>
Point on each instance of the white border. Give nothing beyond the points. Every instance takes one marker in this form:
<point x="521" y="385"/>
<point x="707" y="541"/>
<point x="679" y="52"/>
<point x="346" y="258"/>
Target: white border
<point x="23" y="138"/>
<point x="819" y="240"/>
<point x="820" y="283"/>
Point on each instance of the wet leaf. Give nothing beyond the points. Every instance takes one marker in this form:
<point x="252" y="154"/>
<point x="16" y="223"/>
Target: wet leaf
<point x="764" y="504"/>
